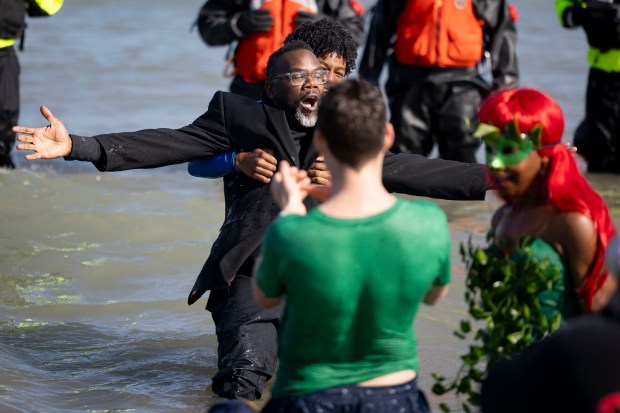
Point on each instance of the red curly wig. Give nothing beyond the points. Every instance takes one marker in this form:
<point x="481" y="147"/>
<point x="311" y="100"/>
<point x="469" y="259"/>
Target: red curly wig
<point x="567" y="189"/>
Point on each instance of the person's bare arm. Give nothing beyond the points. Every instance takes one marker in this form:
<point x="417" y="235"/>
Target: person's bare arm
<point x="258" y="164"/>
<point x="49" y="142"/>
<point x="260" y="297"/>
<point x="435" y="294"/>
<point x="577" y="236"/>
<point x="289" y="189"/>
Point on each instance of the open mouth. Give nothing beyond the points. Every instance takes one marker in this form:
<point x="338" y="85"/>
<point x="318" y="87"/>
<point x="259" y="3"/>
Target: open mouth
<point x="503" y="179"/>
<point x="310" y="103"/>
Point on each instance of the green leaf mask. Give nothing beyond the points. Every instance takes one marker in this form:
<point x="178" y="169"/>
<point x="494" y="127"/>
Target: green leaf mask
<point x="509" y="147"/>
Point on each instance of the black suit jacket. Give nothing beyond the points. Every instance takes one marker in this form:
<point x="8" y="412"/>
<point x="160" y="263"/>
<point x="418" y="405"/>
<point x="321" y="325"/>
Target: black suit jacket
<point x="237" y="123"/>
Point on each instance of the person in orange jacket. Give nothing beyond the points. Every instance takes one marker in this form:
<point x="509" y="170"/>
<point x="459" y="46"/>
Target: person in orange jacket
<point x="258" y="28"/>
<point x="446" y="55"/>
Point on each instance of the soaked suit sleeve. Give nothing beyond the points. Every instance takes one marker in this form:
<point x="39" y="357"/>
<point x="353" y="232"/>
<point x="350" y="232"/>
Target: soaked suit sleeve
<point x="434" y="178"/>
<point x="152" y="148"/>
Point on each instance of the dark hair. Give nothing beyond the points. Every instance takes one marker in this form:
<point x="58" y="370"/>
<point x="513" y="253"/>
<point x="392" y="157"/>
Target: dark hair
<point x="289" y="47"/>
<point x="352" y="118"/>
<point x="328" y="36"/>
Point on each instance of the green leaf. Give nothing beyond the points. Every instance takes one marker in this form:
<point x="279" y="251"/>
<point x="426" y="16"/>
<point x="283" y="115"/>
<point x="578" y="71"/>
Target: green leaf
<point x="515" y="337"/>
<point x="437" y="377"/>
<point x="444" y="407"/>
<point x="465" y="326"/>
<point x="438" y="389"/>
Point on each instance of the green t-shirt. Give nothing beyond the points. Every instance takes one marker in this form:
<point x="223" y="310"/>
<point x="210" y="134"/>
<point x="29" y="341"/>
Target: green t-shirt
<point x="352" y="287"/>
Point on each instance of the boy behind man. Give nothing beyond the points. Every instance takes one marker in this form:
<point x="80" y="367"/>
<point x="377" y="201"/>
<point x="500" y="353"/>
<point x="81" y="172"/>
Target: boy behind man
<point x="354" y="270"/>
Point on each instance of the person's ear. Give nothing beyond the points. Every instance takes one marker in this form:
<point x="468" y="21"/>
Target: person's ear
<point x="269" y="89"/>
<point x="388" y="139"/>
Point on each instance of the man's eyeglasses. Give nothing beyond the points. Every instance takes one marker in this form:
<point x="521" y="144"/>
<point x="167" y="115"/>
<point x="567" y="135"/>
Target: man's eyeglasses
<point x="299" y="78"/>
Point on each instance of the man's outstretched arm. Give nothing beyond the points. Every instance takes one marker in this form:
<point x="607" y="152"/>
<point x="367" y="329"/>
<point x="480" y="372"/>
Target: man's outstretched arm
<point x="434" y="178"/>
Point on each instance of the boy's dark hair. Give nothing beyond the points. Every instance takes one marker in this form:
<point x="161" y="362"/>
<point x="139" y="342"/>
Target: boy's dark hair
<point x="352" y="118"/>
<point x="327" y="36"/>
<point x="289" y="47"/>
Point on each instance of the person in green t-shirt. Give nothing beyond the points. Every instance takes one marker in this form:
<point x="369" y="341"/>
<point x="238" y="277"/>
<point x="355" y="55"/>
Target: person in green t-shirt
<point x="353" y="270"/>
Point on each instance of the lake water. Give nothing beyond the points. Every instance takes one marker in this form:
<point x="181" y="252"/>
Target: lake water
<point x="95" y="268"/>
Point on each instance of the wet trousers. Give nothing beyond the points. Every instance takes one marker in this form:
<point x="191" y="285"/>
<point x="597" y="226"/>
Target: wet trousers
<point x="404" y="398"/>
<point x="598" y="137"/>
<point x="434" y="105"/>
<point x="247" y="341"/>
<point x="9" y="102"/>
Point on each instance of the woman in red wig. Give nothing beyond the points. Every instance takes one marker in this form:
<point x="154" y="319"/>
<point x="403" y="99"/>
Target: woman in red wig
<point x="547" y="200"/>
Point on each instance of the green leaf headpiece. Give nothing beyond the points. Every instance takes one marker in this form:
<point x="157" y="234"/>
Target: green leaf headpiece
<point x="508" y="147"/>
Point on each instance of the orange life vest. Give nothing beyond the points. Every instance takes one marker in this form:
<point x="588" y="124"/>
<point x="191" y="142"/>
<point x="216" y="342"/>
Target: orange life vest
<point x="253" y="51"/>
<point x="444" y="33"/>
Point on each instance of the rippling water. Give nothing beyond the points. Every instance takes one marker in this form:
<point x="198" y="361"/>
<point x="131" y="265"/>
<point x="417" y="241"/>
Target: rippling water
<point x="95" y="268"/>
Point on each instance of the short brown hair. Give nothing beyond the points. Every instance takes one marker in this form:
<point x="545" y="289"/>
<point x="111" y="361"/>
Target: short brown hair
<point x="352" y="118"/>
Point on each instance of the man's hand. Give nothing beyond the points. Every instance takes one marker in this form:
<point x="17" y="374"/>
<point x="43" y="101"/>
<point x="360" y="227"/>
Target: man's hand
<point x="289" y="189"/>
<point x="318" y="172"/>
<point x="258" y="164"/>
<point x="50" y="142"/>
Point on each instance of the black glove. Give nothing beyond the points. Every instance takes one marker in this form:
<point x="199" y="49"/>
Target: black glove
<point x="253" y="21"/>
<point x="304" y="17"/>
<point x="594" y="9"/>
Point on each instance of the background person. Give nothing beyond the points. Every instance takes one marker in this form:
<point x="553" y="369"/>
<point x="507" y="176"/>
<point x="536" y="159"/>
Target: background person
<point x="547" y="200"/>
<point x="334" y="46"/>
<point x="598" y="137"/>
<point x="260" y="27"/>
<point x="434" y="87"/>
<point x="353" y="271"/>
<point x="282" y="122"/>
<point x="12" y="26"/>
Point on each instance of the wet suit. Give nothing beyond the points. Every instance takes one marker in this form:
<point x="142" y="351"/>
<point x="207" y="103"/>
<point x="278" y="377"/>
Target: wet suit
<point x="236" y="123"/>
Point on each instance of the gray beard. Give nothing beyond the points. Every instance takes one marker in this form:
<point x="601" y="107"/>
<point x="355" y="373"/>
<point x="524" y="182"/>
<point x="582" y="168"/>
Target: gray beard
<point x="307" y="121"/>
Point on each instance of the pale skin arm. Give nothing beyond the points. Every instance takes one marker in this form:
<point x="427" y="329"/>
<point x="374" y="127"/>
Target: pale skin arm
<point x="49" y="142"/>
<point x="289" y="189"/>
<point x="435" y="294"/>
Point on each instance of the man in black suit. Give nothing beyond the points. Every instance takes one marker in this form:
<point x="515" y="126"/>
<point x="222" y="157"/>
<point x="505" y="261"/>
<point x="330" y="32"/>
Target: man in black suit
<point x="283" y="123"/>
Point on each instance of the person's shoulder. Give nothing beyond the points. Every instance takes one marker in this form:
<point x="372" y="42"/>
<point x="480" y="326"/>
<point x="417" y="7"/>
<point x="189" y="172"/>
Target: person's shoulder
<point x="235" y="97"/>
<point x="286" y="227"/>
<point x="575" y="224"/>
<point x="428" y="208"/>
<point x="236" y="103"/>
